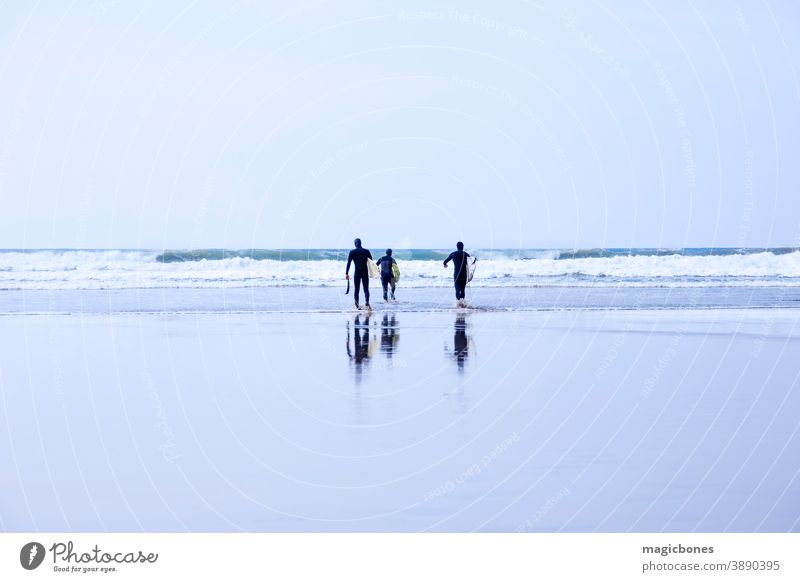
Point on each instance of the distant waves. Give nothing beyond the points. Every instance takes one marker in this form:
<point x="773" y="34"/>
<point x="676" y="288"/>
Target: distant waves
<point x="220" y="268"/>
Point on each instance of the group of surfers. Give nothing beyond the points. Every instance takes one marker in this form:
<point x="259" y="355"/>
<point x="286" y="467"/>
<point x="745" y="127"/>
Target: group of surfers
<point x="359" y="256"/>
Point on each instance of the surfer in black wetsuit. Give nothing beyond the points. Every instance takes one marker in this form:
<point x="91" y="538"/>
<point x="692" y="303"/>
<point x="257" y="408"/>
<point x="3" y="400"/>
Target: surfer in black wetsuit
<point x="358" y="256"/>
<point x="387" y="274"/>
<point x="460" y="268"/>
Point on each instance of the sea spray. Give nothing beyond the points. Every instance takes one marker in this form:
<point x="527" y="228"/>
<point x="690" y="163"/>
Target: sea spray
<point x="224" y="268"/>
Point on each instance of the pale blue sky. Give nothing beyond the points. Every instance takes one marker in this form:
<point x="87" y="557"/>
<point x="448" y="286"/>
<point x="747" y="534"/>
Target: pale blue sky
<point x="304" y="124"/>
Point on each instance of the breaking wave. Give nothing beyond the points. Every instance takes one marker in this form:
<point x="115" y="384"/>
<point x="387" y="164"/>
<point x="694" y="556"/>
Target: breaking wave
<point x="209" y="268"/>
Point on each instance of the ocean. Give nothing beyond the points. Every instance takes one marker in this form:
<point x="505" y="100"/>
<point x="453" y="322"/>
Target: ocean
<point x="59" y="269"/>
<point x="598" y="390"/>
<point x="213" y="280"/>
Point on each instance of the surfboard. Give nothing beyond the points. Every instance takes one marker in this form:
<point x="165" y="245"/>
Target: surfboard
<point x="471" y="270"/>
<point x="395" y="271"/>
<point x="374" y="271"/>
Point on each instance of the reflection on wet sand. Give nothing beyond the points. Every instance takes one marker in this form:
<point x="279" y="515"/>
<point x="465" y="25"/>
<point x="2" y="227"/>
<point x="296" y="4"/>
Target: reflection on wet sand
<point x="362" y="341"/>
<point x="389" y="335"/>
<point x="359" y="355"/>
<point x="461" y="341"/>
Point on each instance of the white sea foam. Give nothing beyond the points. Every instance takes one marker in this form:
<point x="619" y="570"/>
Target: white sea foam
<point x="121" y="269"/>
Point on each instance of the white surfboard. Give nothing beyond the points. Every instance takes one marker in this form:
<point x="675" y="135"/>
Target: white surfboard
<point x="374" y="271"/>
<point x="471" y="270"/>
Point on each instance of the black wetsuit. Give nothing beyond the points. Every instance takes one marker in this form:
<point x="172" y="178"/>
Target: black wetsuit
<point x="387" y="275"/>
<point x="358" y="256"/>
<point x="460" y="268"/>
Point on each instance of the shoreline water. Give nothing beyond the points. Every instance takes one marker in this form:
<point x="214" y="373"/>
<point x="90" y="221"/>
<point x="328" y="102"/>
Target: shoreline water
<point x="421" y="268"/>
<point x="328" y="300"/>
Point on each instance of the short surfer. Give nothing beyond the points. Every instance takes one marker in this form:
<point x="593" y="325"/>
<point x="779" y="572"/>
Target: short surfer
<point x="460" y="269"/>
<point x="358" y="256"/>
<point x="386" y="264"/>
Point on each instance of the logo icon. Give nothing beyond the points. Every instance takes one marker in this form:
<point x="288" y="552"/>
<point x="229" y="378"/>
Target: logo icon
<point x="31" y="555"/>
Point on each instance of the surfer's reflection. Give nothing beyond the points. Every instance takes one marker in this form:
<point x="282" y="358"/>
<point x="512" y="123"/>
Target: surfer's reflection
<point x="461" y="341"/>
<point x="360" y="353"/>
<point x="389" y="335"/>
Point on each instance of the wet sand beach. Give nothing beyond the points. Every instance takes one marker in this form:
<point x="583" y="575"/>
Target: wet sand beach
<point x="629" y="420"/>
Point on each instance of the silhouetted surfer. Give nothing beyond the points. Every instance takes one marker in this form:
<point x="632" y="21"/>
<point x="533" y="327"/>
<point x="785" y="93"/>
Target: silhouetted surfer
<point x="387" y="273"/>
<point x="460" y="269"/>
<point x="358" y="256"/>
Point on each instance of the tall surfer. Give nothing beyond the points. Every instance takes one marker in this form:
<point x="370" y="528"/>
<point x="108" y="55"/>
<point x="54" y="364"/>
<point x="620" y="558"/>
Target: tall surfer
<point x="460" y="270"/>
<point x="358" y="256"/>
<point x="387" y="265"/>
